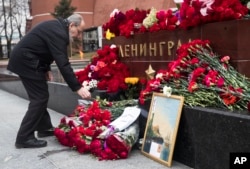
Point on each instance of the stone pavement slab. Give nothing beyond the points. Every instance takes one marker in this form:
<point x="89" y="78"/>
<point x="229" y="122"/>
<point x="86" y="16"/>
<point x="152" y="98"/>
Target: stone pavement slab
<point x="54" y="156"/>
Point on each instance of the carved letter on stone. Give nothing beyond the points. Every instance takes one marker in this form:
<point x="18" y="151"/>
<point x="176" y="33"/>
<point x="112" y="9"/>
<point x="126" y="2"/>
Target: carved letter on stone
<point x="152" y="49"/>
<point x="161" y="46"/>
<point x="134" y="51"/>
<point x="127" y="50"/>
<point x="143" y="49"/>
<point x="121" y="51"/>
<point x="170" y="46"/>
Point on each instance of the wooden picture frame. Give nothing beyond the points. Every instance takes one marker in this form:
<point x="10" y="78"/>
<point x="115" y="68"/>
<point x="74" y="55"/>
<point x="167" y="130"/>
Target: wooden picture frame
<point x="161" y="128"/>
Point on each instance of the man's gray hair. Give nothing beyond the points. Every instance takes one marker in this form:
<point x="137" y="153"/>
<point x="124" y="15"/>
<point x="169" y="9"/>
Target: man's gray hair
<point x="75" y="18"/>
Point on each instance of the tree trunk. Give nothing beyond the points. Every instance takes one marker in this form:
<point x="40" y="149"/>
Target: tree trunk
<point x="1" y="48"/>
<point x="8" y="48"/>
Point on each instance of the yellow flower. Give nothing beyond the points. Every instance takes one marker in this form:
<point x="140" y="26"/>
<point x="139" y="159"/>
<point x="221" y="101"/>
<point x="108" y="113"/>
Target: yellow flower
<point x="132" y="80"/>
<point x="109" y="34"/>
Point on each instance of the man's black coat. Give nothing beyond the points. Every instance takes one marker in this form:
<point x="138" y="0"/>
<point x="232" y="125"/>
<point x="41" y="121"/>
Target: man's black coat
<point x="45" y="43"/>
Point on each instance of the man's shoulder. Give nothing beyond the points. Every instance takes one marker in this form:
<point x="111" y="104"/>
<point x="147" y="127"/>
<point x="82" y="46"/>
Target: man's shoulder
<point x="49" y="22"/>
<point x="47" y="26"/>
<point x="46" y="23"/>
<point x="50" y="28"/>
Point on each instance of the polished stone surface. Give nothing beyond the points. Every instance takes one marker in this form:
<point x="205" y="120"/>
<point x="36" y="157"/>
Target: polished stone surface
<point x="208" y="136"/>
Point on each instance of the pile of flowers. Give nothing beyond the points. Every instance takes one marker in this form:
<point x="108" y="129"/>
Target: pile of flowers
<point x="139" y="21"/>
<point x="123" y="24"/>
<point x="105" y="72"/>
<point x="190" y="14"/>
<point x="81" y="131"/>
<point x="194" y="13"/>
<point x="203" y="77"/>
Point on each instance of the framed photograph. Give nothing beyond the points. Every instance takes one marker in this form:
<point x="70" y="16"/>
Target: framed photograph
<point x="162" y="126"/>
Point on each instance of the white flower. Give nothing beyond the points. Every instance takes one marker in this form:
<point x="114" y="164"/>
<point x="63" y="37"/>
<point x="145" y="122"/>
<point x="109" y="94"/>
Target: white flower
<point x="89" y="84"/>
<point x="167" y="91"/>
<point x="178" y="1"/>
<point x="150" y="19"/>
<point x="115" y="11"/>
<point x="93" y="83"/>
<point x="89" y="75"/>
<point x="206" y="7"/>
<point x="159" y="75"/>
<point x="112" y="46"/>
<point x="177" y="23"/>
<point x="85" y="84"/>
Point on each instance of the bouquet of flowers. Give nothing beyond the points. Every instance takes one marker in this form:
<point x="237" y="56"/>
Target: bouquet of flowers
<point x="203" y="77"/>
<point x="104" y="72"/>
<point x="122" y="142"/>
<point x="82" y="127"/>
<point x="88" y="130"/>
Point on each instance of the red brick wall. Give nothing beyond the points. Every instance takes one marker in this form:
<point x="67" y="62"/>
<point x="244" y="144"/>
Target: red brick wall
<point x="41" y="10"/>
<point x="95" y="12"/>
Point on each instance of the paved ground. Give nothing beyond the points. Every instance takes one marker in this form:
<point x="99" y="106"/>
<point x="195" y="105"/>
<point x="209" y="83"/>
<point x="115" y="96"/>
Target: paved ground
<point x="54" y="156"/>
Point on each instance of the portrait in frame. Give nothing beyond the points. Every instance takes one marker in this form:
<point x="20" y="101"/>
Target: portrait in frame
<point x="161" y="128"/>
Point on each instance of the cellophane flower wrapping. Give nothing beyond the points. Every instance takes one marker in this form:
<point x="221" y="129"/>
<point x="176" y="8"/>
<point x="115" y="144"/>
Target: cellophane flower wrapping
<point x="122" y="142"/>
<point x="81" y="129"/>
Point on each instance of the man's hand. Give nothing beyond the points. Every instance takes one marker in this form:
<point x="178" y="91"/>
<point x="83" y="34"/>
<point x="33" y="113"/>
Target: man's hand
<point x="84" y="93"/>
<point x="49" y="76"/>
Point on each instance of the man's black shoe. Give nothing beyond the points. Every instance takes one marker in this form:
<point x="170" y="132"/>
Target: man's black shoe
<point x="46" y="133"/>
<point x="32" y="143"/>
